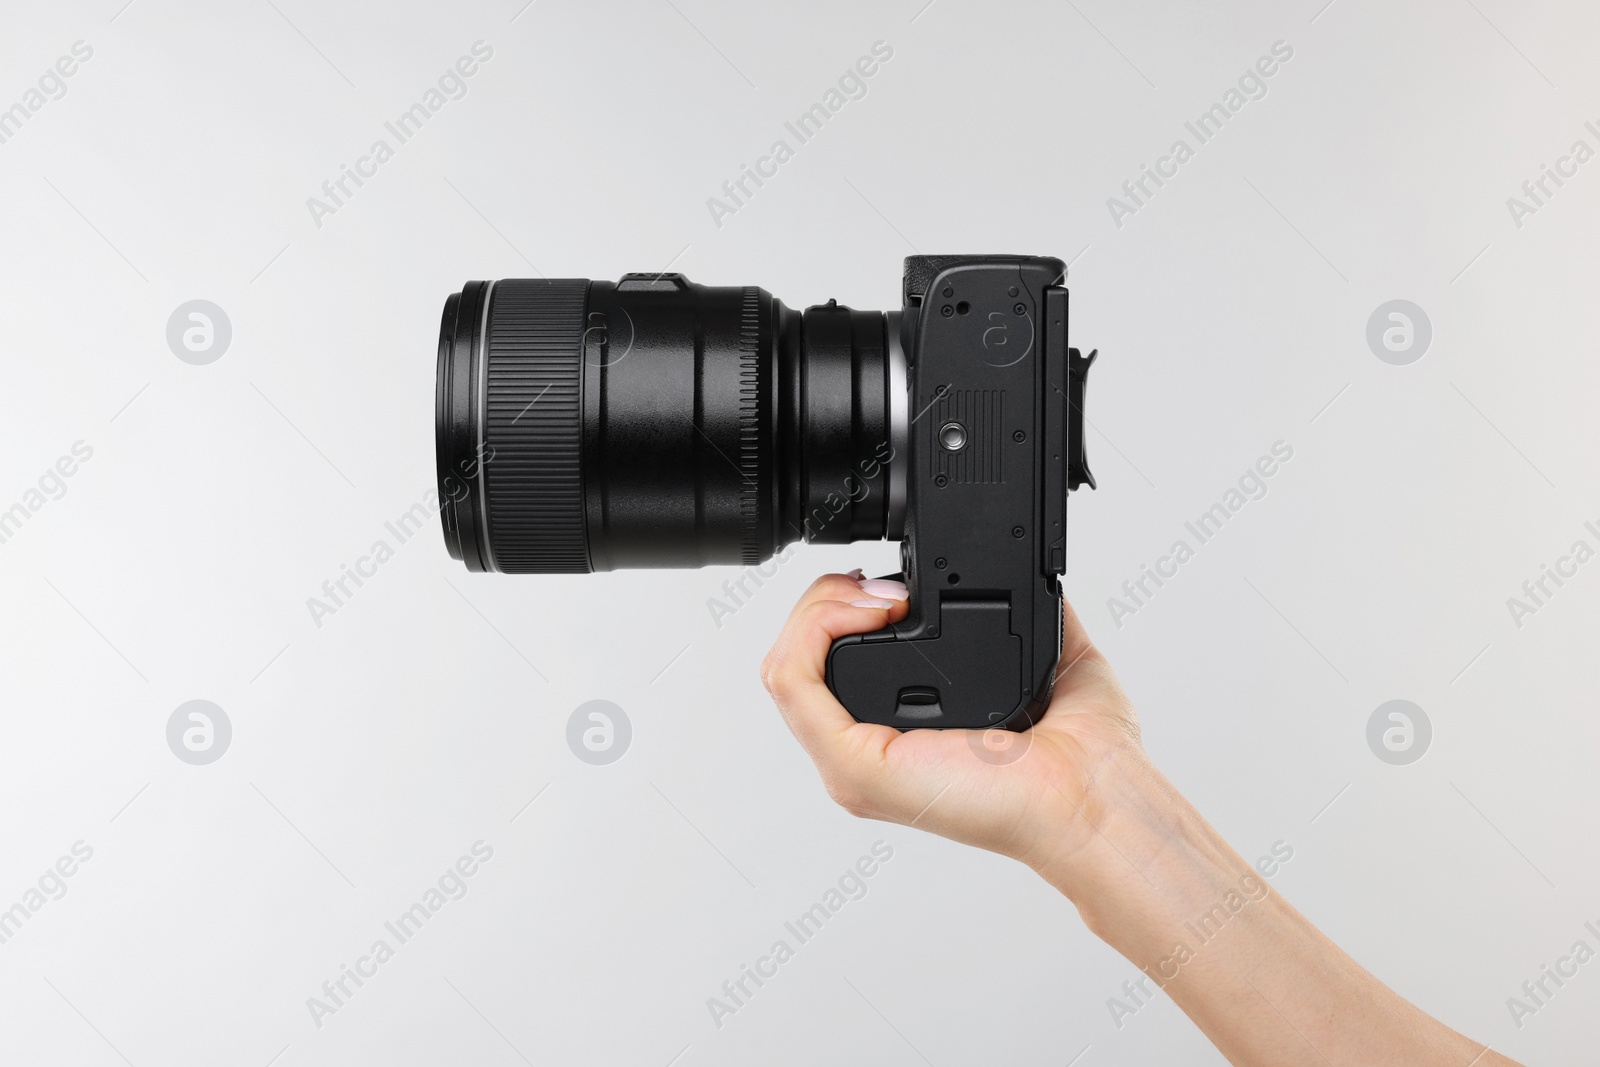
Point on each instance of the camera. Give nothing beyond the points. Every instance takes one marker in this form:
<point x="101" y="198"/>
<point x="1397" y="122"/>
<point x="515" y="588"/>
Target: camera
<point x="652" y="422"/>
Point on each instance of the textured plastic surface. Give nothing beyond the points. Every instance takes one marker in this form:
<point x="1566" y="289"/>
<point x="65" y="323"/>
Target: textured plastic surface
<point x="985" y="525"/>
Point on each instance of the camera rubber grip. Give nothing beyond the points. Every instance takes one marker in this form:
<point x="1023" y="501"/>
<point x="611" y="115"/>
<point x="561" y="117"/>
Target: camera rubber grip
<point x="965" y="676"/>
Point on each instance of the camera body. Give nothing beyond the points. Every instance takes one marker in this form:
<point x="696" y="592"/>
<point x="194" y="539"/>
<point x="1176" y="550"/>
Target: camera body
<point x="654" y="422"/>
<point x="994" y="442"/>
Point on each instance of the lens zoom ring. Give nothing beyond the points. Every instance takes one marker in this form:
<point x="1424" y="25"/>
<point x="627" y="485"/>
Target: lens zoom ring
<point x="750" y="423"/>
<point x="533" y="427"/>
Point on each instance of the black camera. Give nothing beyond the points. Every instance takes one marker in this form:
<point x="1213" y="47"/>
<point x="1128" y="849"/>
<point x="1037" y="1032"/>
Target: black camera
<point x="653" y="422"/>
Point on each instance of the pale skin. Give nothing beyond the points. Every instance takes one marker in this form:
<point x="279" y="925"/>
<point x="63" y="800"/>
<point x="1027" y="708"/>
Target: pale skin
<point x="1081" y="804"/>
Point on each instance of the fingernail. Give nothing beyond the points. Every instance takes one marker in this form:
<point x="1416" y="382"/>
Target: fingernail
<point x="872" y="602"/>
<point x="885" y="587"/>
<point x="857" y="574"/>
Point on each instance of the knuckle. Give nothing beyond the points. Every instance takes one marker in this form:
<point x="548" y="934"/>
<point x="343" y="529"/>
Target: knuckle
<point x="848" y="795"/>
<point x="828" y="587"/>
<point x="818" y="588"/>
<point x="777" y="673"/>
<point x="815" y="613"/>
<point x="772" y="675"/>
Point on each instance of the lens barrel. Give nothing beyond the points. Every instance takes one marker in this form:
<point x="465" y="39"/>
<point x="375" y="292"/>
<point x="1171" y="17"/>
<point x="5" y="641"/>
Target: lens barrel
<point x="652" y="422"/>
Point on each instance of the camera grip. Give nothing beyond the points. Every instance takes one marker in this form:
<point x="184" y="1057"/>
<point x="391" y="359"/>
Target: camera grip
<point x="965" y="674"/>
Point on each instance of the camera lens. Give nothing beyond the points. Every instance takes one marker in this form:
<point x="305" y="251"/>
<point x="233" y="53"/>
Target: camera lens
<point x="652" y="422"/>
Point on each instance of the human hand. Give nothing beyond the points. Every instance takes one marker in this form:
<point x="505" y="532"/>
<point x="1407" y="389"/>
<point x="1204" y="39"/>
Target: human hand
<point x="1030" y="796"/>
<point x="1075" y="798"/>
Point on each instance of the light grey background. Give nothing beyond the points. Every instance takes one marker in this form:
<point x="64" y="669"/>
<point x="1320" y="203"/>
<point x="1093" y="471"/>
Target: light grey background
<point x="371" y="752"/>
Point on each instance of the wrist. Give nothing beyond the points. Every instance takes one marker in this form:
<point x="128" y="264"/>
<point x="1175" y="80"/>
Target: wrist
<point x="1137" y="854"/>
<point x="1123" y="804"/>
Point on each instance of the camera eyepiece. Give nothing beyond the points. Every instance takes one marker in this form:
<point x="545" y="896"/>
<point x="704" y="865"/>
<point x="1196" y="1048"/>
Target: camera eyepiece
<point x="652" y="422"/>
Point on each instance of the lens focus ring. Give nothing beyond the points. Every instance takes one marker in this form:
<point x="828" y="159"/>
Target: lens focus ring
<point x="531" y="421"/>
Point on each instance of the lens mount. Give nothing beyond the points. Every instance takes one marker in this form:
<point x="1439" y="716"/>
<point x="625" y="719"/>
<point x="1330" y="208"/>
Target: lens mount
<point x="899" y="401"/>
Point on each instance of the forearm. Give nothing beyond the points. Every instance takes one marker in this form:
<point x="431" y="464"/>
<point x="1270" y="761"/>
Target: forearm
<point x="1158" y="884"/>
